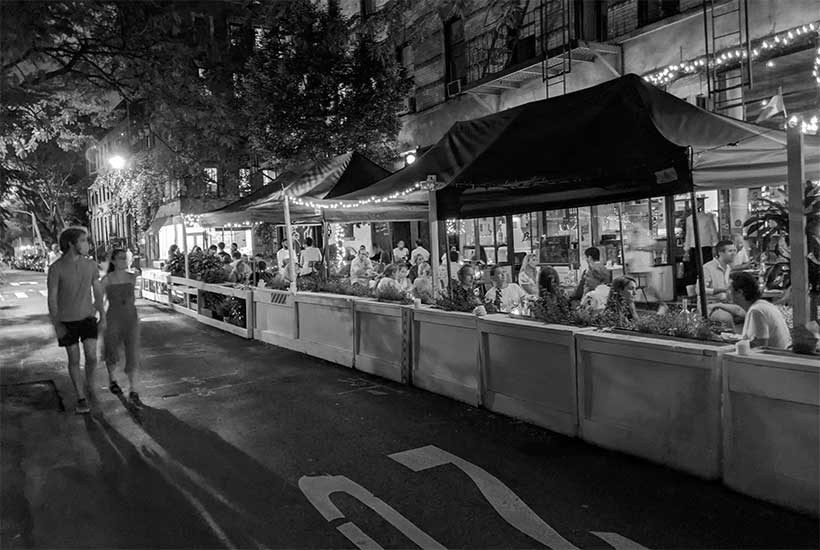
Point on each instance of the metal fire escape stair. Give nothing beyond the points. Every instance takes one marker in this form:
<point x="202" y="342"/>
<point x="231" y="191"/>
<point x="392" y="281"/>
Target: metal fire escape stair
<point x="557" y="62"/>
<point x="726" y="30"/>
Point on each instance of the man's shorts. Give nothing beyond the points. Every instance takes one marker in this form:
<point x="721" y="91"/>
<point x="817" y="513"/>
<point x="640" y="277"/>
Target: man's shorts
<point x="78" y="330"/>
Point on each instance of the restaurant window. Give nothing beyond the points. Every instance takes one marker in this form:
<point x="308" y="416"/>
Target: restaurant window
<point x="245" y="182"/>
<point x="211" y="176"/>
<point x="454" y="55"/>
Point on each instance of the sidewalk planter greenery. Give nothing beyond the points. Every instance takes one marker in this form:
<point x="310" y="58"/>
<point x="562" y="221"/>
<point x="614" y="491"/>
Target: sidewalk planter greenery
<point x="184" y="295"/>
<point x="445" y="354"/>
<point x="155" y="285"/>
<point x="275" y="318"/>
<point x="529" y="371"/>
<point x="652" y="397"/>
<point x="326" y="327"/>
<point x="771" y="422"/>
<point x="226" y="308"/>
<point x="382" y="339"/>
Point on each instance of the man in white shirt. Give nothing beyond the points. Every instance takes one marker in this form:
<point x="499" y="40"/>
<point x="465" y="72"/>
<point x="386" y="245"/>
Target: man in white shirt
<point x="400" y="253"/>
<point x="282" y="255"/>
<point x="742" y="259"/>
<point x="361" y="268"/>
<point x="717" y="270"/>
<point x="764" y="324"/>
<point x="419" y="254"/>
<point x="503" y="296"/>
<point x="309" y="257"/>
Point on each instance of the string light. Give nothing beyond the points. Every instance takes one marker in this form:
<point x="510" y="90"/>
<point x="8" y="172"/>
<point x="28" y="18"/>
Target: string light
<point x="318" y="204"/>
<point x="733" y="56"/>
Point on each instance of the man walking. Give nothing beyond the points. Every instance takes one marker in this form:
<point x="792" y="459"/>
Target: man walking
<point x="71" y="280"/>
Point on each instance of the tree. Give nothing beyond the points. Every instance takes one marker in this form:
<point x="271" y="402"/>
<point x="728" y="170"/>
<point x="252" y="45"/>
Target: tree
<point x="313" y="89"/>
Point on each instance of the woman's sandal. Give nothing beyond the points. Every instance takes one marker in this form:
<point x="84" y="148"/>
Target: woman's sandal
<point x="115" y="388"/>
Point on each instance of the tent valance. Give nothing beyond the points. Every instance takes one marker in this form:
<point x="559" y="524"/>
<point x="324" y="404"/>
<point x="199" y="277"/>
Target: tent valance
<point x="621" y="140"/>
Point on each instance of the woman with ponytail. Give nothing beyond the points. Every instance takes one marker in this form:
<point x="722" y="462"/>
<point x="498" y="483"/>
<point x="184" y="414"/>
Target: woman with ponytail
<point x="122" y="324"/>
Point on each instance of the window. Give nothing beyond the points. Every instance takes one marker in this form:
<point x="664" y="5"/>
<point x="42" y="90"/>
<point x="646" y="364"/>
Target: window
<point x="236" y="79"/>
<point x="203" y="29"/>
<point x="650" y="11"/>
<point x="235" y="34"/>
<point x="368" y="7"/>
<point x="244" y="182"/>
<point x="211" y="176"/>
<point x="454" y="55"/>
<point x="260" y="34"/>
<point x="268" y="176"/>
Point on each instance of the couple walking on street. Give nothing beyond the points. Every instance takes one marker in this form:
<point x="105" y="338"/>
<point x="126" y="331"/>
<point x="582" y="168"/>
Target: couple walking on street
<point x="75" y="291"/>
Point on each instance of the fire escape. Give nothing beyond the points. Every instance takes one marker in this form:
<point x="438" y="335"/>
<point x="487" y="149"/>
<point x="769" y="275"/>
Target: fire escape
<point x="551" y="37"/>
<point x="726" y="30"/>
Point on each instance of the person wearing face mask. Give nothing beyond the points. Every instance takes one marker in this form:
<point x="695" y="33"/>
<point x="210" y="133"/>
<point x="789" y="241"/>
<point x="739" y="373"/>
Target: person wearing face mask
<point x="504" y="295"/>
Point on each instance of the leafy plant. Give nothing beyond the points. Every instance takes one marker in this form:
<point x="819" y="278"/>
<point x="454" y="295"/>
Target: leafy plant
<point x="393" y="295"/>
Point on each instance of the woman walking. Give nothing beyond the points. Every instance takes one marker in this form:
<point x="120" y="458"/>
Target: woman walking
<point x="122" y="324"/>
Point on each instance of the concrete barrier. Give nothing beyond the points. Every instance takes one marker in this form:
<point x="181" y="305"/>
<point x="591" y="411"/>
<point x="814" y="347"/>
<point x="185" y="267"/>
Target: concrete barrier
<point x="275" y="319"/>
<point x="657" y="398"/>
<point x="382" y="339"/>
<point x="445" y="354"/>
<point x="529" y="371"/>
<point x="771" y="423"/>
<point x="326" y="326"/>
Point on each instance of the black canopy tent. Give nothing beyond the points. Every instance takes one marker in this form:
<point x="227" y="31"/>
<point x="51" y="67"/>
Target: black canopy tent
<point x="621" y="140"/>
<point x="318" y="180"/>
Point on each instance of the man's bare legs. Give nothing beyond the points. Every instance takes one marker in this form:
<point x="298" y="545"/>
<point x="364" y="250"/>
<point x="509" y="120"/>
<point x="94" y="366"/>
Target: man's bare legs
<point x="73" y="352"/>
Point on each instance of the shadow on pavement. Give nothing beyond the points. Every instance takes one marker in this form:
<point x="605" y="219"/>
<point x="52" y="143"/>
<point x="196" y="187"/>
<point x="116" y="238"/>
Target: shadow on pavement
<point x="252" y="504"/>
<point x="146" y="510"/>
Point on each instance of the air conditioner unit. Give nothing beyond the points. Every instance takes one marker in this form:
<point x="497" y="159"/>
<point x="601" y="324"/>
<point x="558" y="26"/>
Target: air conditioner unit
<point x="454" y="87"/>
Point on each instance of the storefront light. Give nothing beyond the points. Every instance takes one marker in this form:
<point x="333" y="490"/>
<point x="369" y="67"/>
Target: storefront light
<point x="117" y="162"/>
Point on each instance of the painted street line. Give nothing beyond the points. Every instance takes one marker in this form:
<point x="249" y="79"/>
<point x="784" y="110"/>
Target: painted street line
<point x="19" y="283"/>
<point x="318" y="489"/>
<point x="21" y="294"/>
<point x="511" y="508"/>
<point x="44" y="292"/>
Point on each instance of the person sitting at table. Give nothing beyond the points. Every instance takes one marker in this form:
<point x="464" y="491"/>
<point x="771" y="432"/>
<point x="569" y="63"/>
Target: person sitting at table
<point x="503" y="296"/>
<point x="400" y="254"/>
<point x="621" y="299"/>
<point x="423" y="285"/>
<point x="764" y="325"/>
<point x="593" y="258"/>
<point x="528" y="276"/>
<point x="464" y="290"/>
<point x="717" y="270"/>
<point x="743" y="258"/>
<point x="361" y="269"/>
<point x="261" y="277"/>
<point x="596" y="278"/>
<point x="455" y="266"/>
<point x="549" y="283"/>
<point x="403" y="278"/>
<point x="389" y="284"/>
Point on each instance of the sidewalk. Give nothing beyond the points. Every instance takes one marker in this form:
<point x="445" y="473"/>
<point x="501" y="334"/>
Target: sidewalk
<point x="230" y="426"/>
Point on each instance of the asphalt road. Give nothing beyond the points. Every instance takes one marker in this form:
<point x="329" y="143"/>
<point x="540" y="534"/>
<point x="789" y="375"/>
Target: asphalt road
<point x="238" y="444"/>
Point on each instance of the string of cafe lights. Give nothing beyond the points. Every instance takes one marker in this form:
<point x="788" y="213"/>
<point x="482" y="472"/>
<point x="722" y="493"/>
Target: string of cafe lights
<point x="732" y="56"/>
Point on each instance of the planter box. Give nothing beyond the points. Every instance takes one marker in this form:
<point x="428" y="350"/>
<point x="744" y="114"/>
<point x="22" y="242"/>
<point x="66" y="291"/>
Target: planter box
<point x="529" y="371"/>
<point x="771" y="425"/>
<point x="652" y="397"/>
<point x="445" y="354"/>
<point x="326" y="326"/>
<point x="204" y="314"/>
<point x="382" y="339"/>
<point x="275" y="318"/>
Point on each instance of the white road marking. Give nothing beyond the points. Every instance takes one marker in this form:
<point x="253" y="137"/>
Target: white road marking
<point x="44" y="292"/>
<point x="318" y="489"/>
<point x="358" y="537"/>
<point x="14" y="284"/>
<point x="511" y="508"/>
<point x="21" y="294"/>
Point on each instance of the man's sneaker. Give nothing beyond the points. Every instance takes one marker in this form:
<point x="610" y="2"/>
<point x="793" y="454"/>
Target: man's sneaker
<point x="82" y="407"/>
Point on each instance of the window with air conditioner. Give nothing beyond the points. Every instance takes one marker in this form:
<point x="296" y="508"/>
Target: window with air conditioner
<point x="211" y="177"/>
<point x="404" y="58"/>
<point x="454" y="56"/>
<point x="245" y="182"/>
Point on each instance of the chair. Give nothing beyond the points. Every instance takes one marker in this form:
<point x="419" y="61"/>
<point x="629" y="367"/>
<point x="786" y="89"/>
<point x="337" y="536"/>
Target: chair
<point x="641" y="282"/>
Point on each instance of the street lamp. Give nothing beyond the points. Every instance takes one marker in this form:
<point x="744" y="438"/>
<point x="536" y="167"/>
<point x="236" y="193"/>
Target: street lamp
<point x="117" y="162"/>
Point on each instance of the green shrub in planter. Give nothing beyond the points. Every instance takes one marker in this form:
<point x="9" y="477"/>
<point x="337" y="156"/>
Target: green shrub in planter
<point x="393" y="295"/>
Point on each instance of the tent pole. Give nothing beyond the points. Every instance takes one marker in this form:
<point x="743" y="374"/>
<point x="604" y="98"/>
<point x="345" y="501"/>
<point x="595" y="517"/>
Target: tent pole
<point x="698" y="254"/>
<point x="325" y="244"/>
<point x="797" y="227"/>
<point x="432" y="216"/>
<point x="185" y="247"/>
<point x="292" y="262"/>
